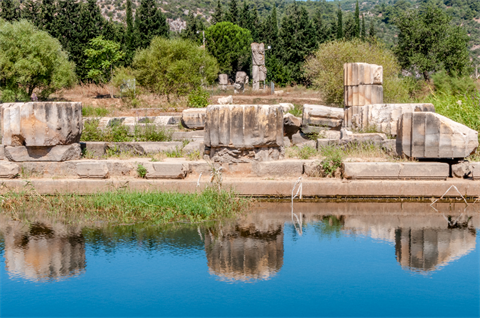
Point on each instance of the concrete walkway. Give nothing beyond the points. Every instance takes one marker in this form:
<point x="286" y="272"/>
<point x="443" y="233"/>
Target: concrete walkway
<point x="321" y="188"/>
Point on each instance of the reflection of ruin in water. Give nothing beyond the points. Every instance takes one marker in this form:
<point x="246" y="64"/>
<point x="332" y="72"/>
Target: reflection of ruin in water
<point x="252" y="249"/>
<point x="43" y="252"/>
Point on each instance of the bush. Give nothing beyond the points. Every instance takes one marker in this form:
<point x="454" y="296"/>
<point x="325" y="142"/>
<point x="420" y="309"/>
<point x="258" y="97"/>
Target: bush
<point x="121" y="76"/>
<point x="31" y="59"/>
<point x="333" y="159"/>
<point x="174" y="66"/>
<point x="325" y="69"/>
<point x="198" y="98"/>
<point x="453" y="85"/>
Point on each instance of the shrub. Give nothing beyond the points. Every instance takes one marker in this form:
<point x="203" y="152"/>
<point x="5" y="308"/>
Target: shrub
<point x="198" y="98"/>
<point x="174" y="66"/>
<point x="121" y="76"/>
<point x="325" y="68"/>
<point x="333" y="159"/>
<point x="453" y="85"/>
<point x="89" y="111"/>
<point x="31" y="59"/>
<point x="142" y="171"/>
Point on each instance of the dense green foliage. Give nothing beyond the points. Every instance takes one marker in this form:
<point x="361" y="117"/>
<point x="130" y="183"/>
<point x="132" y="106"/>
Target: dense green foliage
<point x="325" y="68"/>
<point x="102" y="57"/>
<point x="174" y="67"/>
<point x="31" y="59"/>
<point x="230" y="45"/>
<point x="122" y="133"/>
<point x="428" y="42"/>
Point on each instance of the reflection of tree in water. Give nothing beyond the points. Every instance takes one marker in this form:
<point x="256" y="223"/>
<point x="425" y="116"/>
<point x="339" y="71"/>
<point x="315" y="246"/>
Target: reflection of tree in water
<point x="329" y="225"/>
<point x="251" y="249"/>
<point x="42" y="252"/>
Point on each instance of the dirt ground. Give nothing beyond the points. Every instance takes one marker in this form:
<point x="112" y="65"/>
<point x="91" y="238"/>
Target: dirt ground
<point x="94" y="96"/>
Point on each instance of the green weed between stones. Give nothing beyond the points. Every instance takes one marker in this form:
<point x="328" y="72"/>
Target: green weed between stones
<point x="126" y="206"/>
<point x="121" y="133"/>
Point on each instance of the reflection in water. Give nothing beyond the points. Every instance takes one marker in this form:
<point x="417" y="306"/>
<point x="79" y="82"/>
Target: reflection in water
<point x="251" y="249"/>
<point x="43" y="252"/>
<point x="248" y="249"/>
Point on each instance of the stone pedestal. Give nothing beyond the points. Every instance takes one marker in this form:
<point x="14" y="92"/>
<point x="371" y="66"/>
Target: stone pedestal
<point x="223" y="81"/>
<point x="41" y="131"/>
<point x="430" y="135"/>
<point x="244" y="133"/>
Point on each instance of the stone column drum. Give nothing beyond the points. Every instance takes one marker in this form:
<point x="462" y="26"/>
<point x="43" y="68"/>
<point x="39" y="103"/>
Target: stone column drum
<point x="42" y="131"/>
<point x="244" y="133"/>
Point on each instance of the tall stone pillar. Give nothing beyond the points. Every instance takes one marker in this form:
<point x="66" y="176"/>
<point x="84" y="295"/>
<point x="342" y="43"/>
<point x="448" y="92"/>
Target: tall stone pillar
<point x="259" y="71"/>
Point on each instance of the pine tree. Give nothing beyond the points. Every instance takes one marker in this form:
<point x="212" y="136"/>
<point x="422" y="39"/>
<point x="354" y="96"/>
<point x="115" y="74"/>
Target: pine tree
<point x="31" y="12"/>
<point x="218" y="14"/>
<point x="190" y="31"/>
<point x="372" y="29"/>
<point x="321" y="30"/>
<point x="357" y="21"/>
<point x="364" y="31"/>
<point x="129" y="35"/>
<point x="48" y="17"/>
<point x="233" y="12"/>
<point x="254" y="24"/>
<point x="149" y="22"/>
<point x="9" y="10"/>
<point x="109" y="31"/>
<point x="339" y="24"/>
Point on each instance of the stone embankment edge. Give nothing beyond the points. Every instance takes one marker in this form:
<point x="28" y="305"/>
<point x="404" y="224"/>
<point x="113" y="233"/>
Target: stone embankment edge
<point x="325" y="188"/>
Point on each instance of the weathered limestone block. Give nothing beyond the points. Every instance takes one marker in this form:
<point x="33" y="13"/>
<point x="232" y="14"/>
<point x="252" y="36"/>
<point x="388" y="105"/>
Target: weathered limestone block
<point x="53" y="153"/>
<point x="283" y="168"/>
<point x="94" y="149"/>
<point x="362" y="84"/>
<point x="194" y="118"/>
<point x="41" y="123"/>
<point x="291" y="124"/>
<point x="396" y="170"/>
<point x="381" y="117"/>
<point x="430" y="135"/>
<point x="363" y="95"/>
<point x="463" y="169"/>
<point x="92" y="170"/>
<point x="223" y="81"/>
<point x="194" y="146"/>
<point x="362" y="74"/>
<point x="286" y="107"/>
<point x="363" y="137"/>
<point x="225" y="100"/>
<point x="168" y="170"/>
<point x="244" y="132"/>
<point x="317" y="118"/>
<point x="9" y="170"/>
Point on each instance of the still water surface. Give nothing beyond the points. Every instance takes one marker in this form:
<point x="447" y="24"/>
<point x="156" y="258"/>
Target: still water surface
<point x="345" y="260"/>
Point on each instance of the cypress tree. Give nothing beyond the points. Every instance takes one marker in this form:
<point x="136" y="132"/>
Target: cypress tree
<point x="129" y="35"/>
<point x="254" y="23"/>
<point x="364" y="32"/>
<point x="372" y="29"/>
<point x="9" y="11"/>
<point x="244" y="18"/>
<point x="31" y="12"/>
<point x="191" y="29"/>
<point x="233" y="12"/>
<point x="149" y="22"/>
<point x="357" y="21"/>
<point x="321" y="30"/>
<point x="218" y="14"/>
<point x="339" y="24"/>
<point x="109" y="31"/>
<point x="48" y="17"/>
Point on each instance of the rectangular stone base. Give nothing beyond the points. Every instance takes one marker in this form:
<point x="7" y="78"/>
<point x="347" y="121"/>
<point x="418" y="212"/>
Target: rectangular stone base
<point x="396" y="170"/>
<point x="51" y="153"/>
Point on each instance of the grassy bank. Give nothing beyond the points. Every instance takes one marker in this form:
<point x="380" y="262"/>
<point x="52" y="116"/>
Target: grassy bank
<point x="125" y="206"/>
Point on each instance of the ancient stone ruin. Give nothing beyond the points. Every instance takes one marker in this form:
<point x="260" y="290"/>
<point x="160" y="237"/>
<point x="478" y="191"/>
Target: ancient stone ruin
<point x="430" y="135"/>
<point x="41" y="131"/>
<point x="259" y="71"/>
<point x="239" y="86"/>
<point x="244" y="133"/>
<point x="223" y="81"/>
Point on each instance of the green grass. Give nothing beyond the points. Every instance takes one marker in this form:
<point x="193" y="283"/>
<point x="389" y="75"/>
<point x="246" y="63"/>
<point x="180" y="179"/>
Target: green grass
<point x="297" y="110"/>
<point x="127" y="206"/>
<point x="90" y="111"/>
<point x="121" y="133"/>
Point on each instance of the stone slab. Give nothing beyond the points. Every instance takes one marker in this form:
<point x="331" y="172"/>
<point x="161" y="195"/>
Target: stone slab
<point x="188" y="135"/>
<point x="97" y="149"/>
<point x="281" y="168"/>
<point x="396" y="170"/>
<point x="55" y="153"/>
<point x="92" y="170"/>
<point x="167" y="170"/>
<point x="194" y="146"/>
<point x="381" y="117"/>
<point x="9" y="170"/>
<point x="194" y="118"/>
<point x="316" y="118"/>
<point x="227" y="100"/>
<point x="430" y="135"/>
<point x="41" y="123"/>
<point x="318" y="188"/>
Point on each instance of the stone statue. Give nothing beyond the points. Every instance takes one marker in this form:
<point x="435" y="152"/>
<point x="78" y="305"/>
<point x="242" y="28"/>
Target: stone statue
<point x="259" y="71"/>
<point x="239" y="85"/>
